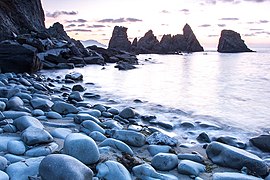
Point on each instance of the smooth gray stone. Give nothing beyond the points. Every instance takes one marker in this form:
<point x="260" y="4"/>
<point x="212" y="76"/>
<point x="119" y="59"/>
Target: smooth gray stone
<point x="233" y="176"/>
<point x="61" y="166"/>
<point x="60" y="133"/>
<point x="24" y="82"/>
<point x="32" y="136"/>
<point x="129" y="137"/>
<point x="113" y="111"/>
<point x="127" y="113"/>
<point x="40" y="103"/>
<point x="24" y="96"/>
<point x="64" y="108"/>
<point x="3" y="176"/>
<point x="164" y="161"/>
<point x="192" y="157"/>
<point x="24" y="122"/>
<point x="107" y="114"/>
<point x="203" y="138"/>
<point x="112" y="124"/>
<point x="21" y="170"/>
<point x="53" y="115"/>
<point x="39" y="86"/>
<point x="155" y="149"/>
<point x="2" y="117"/>
<point x="14" y="114"/>
<point x="261" y="142"/>
<point x="42" y="150"/>
<point x="93" y="112"/>
<point x="13" y="158"/>
<point x="232" y="157"/>
<point x="75" y="95"/>
<point x="3" y="163"/>
<point x="81" y="147"/>
<point x="188" y="167"/>
<point x="38" y="112"/>
<point x="147" y="172"/>
<point x="162" y="139"/>
<point x="97" y="136"/>
<point x="232" y="141"/>
<point x="5" y="139"/>
<point x="60" y="125"/>
<point x="100" y="107"/>
<point x="16" y="147"/>
<point x="78" y="87"/>
<point x="2" y="106"/>
<point x="14" y="103"/>
<point x="74" y="76"/>
<point x="119" y="145"/>
<point x="111" y="170"/>
<point x="187" y="124"/>
<point x="80" y="117"/>
<point x="89" y="126"/>
<point x="9" y="128"/>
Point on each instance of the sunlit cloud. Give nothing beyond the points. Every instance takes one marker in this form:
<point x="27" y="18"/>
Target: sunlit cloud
<point x="221" y="25"/>
<point x="79" y="30"/>
<point x="165" y="11"/>
<point x="70" y="26"/>
<point x="56" y="14"/>
<point x="76" y="21"/>
<point x="205" y="25"/>
<point x="119" y="20"/>
<point x="256" y="29"/>
<point x="229" y="19"/>
<point x="81" y="25"/>
<point x="96" y="26"/>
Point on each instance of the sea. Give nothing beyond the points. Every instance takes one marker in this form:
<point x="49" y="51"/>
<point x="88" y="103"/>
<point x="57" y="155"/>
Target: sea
<point x="231" y="91"/>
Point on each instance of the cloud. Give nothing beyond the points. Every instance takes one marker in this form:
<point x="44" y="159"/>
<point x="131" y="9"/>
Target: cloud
<point x="213" y="35"/>
<point x="249" y="35"/>
<point x="258" y="22"/>
<point x="165" y="11"/>
<point x="81" y="25"/>
<point x="256" y="29"/>
<point x="229" y="19"/>
<point x="205" y="25"/>
<point x="232" y="1"/>
<point x="264" y="21"/>
<point x="70" y="25"/>
<point x="263" y="32"/>
<point x="76" y="21"/>
<point x="185" y="11"/>
<point x="79" y="30"/>
<point x="96" y="26"/>
<point x="221" y="25"/>
<point x="119" y="20"/>
<point x="56" y="14"/>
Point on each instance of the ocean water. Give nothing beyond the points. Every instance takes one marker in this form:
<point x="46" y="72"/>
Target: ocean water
<point x="231" y="90"/>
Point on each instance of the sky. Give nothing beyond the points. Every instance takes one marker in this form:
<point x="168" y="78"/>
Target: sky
<point x="95" y="19"/>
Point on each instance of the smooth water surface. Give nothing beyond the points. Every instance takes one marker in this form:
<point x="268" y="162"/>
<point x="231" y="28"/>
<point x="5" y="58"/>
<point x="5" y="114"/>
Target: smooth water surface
<point x="234" y="89"/>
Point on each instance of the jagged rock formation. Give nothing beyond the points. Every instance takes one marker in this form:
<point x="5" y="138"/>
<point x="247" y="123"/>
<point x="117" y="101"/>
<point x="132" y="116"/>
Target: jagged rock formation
<point x="193" y="44"/>
<point x="119" y="39"/>
<point x="149" y="43"/>
<point x="20" y="16"/>
<point x="231" y="42"/>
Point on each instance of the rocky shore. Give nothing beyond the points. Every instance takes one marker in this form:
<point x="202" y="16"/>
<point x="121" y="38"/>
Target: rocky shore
<point x="49" y="130"/>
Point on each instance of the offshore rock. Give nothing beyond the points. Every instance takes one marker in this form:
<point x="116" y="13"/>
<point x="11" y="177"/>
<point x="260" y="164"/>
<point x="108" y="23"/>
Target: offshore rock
<point x="231" y="42"/>
<point x="119" y="39"/>
<point x="193" y="44"/>
<point x="20" y="16"/>
<point x="148" y="43"/>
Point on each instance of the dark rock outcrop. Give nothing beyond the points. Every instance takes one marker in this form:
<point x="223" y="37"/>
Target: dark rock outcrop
<point x="20" y="16"/>
<point x="193" y="44"/>
<point x="150" y="44"/>
<point x="119" y="39"/>
<point x="231" y="42"/>
<point x="24" y="60"/>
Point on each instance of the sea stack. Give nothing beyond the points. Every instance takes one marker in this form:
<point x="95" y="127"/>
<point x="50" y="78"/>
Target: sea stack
<point x="231" y="42"/>
<point x="119" y="39"/>
<point x="193" y="44"/>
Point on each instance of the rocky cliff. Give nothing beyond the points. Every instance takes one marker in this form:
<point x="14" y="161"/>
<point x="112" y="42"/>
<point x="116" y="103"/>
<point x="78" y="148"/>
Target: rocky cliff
<point x="231" y="42"/>
<point x="20" y="16"/>
<point x="186" y="42"/>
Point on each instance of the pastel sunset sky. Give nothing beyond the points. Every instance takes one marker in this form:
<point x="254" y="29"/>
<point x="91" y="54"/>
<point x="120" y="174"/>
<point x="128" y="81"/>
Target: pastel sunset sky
<point x="95" y="19"/>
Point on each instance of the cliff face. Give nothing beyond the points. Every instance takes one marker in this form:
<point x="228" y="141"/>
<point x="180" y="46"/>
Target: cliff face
<point x="20" y="16"/>
<point x="231" y="42"/>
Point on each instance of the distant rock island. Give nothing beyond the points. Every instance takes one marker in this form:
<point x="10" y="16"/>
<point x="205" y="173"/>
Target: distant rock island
<point x="186" y="42"/>
<point x="231" y="42"/>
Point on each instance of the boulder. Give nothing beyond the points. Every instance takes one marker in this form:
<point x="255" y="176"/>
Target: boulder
<point x="42" y="150"/>
<point x="3" y="163"/>
<point x="130" y="137"/>
<point x="18" y="59"/>
<point x="81" y="147"/>
<point x="190" y="168"/>
<point x="193" y="44"/>
<point x="64" y="108"/>
<point x="119" y="145"/>
<point x="262" y="142"/>
<point x="158" y="138"/>
<point x="127" y="113"/>
<point x="60" y="133"/>
<point x="233" y="176"/>
<point x="3" y="176"/>
<point x="23" y="169"/>
<point x="155" y="149"/>
<point x="112" y="170"/>
<point x="148" y="44"/>
<point x="164" y="161"/>
<point x="20" y="16"/>
<point x="119" y="39"/>
<point x="40" y="103"/>
<point x="61" y="166"/>
<point x="32" y="136"/>
<point x="16" y="147"/>
<point x="24" y="122"/>
<point x="232" y="157"/>
<point x="89" y="126"/>
<point x="14" y="103"/>
<point x="231" y="42"/>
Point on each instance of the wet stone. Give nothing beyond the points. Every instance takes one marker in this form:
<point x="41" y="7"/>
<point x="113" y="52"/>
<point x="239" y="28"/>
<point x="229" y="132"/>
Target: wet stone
<point x="158" y="138"/>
